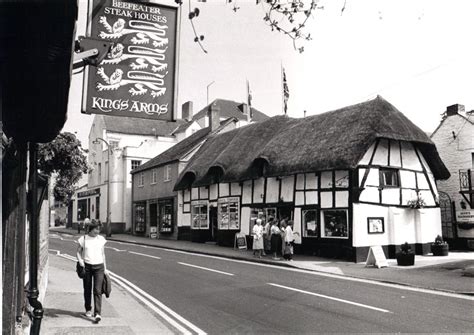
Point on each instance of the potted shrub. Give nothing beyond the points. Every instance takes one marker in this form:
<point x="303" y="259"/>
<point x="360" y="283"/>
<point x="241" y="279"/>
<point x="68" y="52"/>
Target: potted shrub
<point x="439" y="247"/>
<point x="405" y="256"/>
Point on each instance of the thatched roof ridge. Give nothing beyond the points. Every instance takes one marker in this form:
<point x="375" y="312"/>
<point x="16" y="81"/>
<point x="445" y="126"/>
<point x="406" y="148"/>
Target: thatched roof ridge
<point x="333" y="140"/>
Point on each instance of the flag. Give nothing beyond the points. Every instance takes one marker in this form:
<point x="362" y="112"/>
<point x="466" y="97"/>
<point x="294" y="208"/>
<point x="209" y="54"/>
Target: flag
<point x="249" y="99"/>
<point x="249" y="94"/>
<point x="286" y="92"/>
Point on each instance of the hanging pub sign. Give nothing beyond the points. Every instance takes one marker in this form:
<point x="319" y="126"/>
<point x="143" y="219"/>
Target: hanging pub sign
<point x="137" y="78"/>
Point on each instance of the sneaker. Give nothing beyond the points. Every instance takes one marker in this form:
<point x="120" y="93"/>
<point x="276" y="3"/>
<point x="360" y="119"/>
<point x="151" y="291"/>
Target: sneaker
<point x="89" y="314"/>
<point x="98" y="318"/>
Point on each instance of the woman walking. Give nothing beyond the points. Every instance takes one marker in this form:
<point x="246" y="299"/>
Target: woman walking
<point x="90" y="254"/>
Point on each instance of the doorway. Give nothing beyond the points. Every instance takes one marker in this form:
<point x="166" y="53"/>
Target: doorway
<point x="213" y="223"/>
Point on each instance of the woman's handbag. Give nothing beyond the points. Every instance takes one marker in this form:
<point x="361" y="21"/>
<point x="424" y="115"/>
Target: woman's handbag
<point x="80" y="270"/>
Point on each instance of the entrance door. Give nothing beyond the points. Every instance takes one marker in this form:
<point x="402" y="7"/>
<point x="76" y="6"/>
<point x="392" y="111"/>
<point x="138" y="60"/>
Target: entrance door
<point x="213" y="223"/>
<point x="447" y="221"/>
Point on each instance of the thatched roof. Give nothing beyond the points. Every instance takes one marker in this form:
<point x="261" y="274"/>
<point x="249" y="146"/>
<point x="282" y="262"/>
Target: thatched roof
<point x="281" y="145"/>
<point x="229" y="108"/>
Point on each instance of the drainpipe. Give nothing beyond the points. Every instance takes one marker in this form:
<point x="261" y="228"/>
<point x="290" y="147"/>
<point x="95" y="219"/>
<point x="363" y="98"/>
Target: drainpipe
<point x="33" y="292"/>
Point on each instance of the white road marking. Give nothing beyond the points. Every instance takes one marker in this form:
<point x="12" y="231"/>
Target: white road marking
<point x="323" y="274"/>
<point x="55" y="251"/>
<point x="151" y="302"/>
<point x="138" y="253"/>
<point x="207" y="269"/>
<point x="118" y="250"/>
<point x="159" y="304"/>
<point x="332" y="298"/>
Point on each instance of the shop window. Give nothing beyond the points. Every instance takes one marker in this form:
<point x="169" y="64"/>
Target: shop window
<point x="166" y="216"/>
<point x="199" y="214"/>
<point x="262" y="213"/>
<point x="389" y="178"/>
<point x="228" y="213"/>
<point x="310" y="222"/>
<point x="140" y="218"/>
<point x="334" y="224"/>
<point x="136" y="163"/>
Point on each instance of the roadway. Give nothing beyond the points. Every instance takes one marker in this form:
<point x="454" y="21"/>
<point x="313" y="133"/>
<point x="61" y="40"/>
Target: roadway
<point x="220" y="296"/>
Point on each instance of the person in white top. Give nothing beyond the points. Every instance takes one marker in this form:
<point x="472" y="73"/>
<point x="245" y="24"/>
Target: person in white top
<point x="275" y="239"/>
<point x="288" y="241"/>
<point x="91" y="255"/>
<point x="258" y="238"/>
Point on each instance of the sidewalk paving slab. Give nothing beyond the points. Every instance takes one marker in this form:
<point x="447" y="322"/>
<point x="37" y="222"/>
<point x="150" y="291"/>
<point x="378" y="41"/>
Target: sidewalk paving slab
<point x="450" y="273"/>
<point x="64" y="307"/>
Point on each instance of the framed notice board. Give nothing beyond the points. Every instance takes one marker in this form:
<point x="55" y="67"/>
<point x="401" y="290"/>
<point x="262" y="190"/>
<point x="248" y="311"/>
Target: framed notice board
<point x="240" y="241"/>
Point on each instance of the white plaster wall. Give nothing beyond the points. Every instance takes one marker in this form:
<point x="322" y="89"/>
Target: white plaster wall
<point x="360" y="234"/>
<point x="235" y="189"/>
<point x="300" y="182"/>
<point x="311" y="197"/>
<point x="258" y="190"/>
<point x="273" y="186"/>
<point x="297" y="225"/>
<point x="391" y="196"/>
<point x="299" y="198"/>
<point x="213" y="191"/>
<point x="245" y="220"/>
<point x="342" y="198"/>
<point x="402" y="225"/>
<point x="203" y="192"/>
<point x="287" y="188"/>
<point x="311" y="181"/>
<point x="456" y="154"/>
<point x="224" y="190"/>
<point x="326" y="200"/>
<point x="428" y="224"/>
<point x="368" y="154"/>
<point x="409" y="157"/>
<point x="247" y="192"/>
<point x="381" y="154"/>
<point x="395" y="159"/>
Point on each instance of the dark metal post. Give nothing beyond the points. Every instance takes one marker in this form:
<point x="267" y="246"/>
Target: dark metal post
<point x="33" y="292"/>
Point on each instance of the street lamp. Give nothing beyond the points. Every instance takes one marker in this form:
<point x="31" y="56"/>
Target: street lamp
<point x="108" y="228"/>
<point x="208" y="91"/>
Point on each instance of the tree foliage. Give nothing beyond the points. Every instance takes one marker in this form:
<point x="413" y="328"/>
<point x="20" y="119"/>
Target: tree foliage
<point x="65" y="157"/>
<point x="288" y="17"/>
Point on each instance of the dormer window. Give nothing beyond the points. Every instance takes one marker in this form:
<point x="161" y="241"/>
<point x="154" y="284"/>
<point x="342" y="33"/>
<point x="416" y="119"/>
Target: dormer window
<point x="389" y="178"/>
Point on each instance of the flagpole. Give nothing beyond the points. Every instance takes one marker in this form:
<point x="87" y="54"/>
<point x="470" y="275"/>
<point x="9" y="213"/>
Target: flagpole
<point x="282" y="89"/>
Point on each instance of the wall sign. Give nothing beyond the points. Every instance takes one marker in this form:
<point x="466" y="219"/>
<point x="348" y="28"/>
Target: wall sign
<point x="137" y="78"/>
<point x="465" y="216"/>
<point x="88" y="193"/>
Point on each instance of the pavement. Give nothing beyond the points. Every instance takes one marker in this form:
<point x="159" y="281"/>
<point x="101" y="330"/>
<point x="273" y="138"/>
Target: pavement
<point x="124" y="315"/>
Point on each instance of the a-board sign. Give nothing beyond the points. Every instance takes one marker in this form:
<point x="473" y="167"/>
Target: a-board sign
<point x="376" y="257"/>
<point x="240" y="242"/>
<point x="137" y="78"/>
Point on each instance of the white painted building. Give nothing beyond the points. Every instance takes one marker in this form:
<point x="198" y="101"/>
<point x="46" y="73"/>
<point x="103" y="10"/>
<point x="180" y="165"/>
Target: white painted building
<point x="454" y="139"/>
<point x="350" y="179"/>
<point x="132" y="142"/>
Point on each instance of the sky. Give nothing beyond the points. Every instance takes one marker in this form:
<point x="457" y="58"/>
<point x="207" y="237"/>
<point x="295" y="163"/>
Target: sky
<point x="417" y="54"/>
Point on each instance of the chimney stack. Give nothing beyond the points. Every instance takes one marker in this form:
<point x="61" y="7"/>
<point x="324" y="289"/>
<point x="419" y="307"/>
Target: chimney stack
<point x="246" y="111"/>
<point x="455" y="109"/>
<point x="187" y="111"/>
<point x="214" y="114"/>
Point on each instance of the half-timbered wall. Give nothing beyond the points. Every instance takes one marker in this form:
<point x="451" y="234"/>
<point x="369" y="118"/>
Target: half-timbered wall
<point x="383" y="215"/>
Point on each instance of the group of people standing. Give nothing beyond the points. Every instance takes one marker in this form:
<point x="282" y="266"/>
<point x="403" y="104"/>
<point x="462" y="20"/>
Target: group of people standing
<point x="274" y="237"/>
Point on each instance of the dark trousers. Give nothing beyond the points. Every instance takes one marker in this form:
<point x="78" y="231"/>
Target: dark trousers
<point x="94" y="275"/>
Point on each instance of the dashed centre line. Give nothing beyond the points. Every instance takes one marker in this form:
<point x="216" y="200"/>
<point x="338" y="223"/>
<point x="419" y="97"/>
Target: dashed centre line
<point x="139" y="253"/>
<point x="207" y="269"/>
<point x="331" y="298"/>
